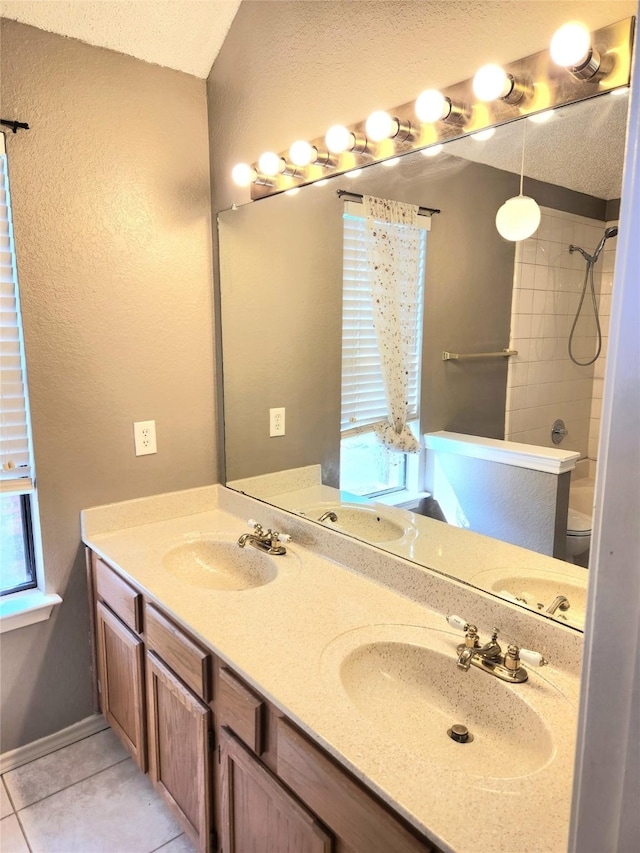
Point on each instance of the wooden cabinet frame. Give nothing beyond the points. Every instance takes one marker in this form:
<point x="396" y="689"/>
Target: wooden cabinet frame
<point x="121" y="680"/>
<point x="180" y="729"/>
<point x="277" y="821"/>
<point x="276" y="790"/>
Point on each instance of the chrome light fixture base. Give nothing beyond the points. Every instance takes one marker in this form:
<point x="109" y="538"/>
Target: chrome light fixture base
<point x="539" y="84"/>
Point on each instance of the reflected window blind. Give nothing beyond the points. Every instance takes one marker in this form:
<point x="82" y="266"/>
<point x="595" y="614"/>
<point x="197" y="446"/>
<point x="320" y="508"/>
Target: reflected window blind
<point x="363" y="395"/>
<point x="15" y="444"/>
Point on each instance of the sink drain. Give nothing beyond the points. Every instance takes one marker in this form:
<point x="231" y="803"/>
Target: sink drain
<point x="460" y="734"/>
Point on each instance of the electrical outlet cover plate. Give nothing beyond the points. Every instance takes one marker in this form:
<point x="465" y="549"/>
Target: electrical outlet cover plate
<point x="144" y="434"/>
<point x="276" y="422"/>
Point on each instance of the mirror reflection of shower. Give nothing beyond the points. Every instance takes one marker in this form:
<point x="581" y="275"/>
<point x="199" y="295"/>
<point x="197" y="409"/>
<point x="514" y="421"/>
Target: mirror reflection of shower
<point x="588" y="282"/>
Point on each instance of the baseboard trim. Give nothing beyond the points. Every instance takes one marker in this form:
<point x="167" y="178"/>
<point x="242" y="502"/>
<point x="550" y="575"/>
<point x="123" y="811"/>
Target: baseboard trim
<point x="39" y="748"/>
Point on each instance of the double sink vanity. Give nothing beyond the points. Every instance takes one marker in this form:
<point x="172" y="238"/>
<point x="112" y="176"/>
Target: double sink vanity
<point x="312" y="700"/>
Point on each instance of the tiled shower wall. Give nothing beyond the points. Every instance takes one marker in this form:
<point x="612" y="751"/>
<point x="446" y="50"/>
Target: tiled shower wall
<point x="543" y="383"/>
<point x="607" y="259"/>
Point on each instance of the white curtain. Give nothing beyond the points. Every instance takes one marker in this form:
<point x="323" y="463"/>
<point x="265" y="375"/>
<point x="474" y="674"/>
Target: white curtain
<point x="394" y="267"/>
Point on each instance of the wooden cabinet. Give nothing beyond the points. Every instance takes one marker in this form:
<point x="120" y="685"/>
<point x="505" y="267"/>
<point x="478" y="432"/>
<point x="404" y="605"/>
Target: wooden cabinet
<point x="187" y="660"/>
<point x="259" y="815"/>
<point x="358" y="819"/>
<point x="121" y="681"/>
<point x="180" y="751"/>
<point x="241" y="710"/>
<point x="275" y="790"/>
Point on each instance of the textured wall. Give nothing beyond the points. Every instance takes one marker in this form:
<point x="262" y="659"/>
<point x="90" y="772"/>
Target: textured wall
<point x="502" y="509"/>
<point x="112" y="226"/>
<point x="289" y="69"/>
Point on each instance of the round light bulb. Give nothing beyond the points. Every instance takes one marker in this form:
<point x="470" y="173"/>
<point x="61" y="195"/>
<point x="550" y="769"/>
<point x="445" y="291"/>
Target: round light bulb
<point x="432" y="106"/>
<point x="491" y="82"/>
<point x="432" y="151"/>
<point x="243" y="174"/>
<point x="353" y="173"/>
<point x="570" y="44"/>
<point x="292" y="191"/>
<point x="380" y="125"/>
<point x="302" y="153"/>
<point x="338" y="139"/>
<point x="270" y="163"/>
<point x="389" y="163"/>
<point x="483" y="135"/>
<point x="518" y="218"/>
<point x="321" y="183"/>
<point x="541" y="118"/>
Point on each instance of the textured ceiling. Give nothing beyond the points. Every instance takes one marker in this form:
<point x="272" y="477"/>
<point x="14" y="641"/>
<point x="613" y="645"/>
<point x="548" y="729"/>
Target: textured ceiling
<point x="182" y="34"/>
<point x="594" y="130"/>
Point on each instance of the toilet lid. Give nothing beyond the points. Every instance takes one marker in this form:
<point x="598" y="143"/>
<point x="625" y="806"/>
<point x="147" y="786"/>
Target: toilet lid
<point x="578" y="524"/>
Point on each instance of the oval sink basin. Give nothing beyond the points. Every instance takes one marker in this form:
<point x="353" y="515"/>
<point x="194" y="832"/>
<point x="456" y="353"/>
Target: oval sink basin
<point x="360" y="520"/>
<point x="405" y="682"/>
<point x="538" y="589"/>
<point x="220" y="565"/>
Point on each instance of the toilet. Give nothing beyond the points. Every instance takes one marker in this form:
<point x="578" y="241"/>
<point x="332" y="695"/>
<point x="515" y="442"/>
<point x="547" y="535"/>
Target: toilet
<point x="578" y="533"/>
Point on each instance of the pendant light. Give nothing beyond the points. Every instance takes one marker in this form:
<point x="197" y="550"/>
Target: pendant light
<point x="519" y="217"/>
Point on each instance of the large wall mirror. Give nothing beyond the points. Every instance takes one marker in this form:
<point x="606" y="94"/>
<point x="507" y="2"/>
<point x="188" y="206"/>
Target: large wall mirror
<point x="283" y="270"/>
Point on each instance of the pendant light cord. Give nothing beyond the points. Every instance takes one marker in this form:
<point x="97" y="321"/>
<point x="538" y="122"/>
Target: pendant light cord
<point x="524" y="137"/>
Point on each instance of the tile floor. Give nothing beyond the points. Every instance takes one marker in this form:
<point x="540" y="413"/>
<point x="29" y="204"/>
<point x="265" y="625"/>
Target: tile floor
<point x="86" y="798"/>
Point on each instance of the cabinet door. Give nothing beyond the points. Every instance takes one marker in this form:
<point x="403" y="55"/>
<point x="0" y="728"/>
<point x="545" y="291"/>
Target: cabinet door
<point x="358" y="820"/>
<point x="259" y="815"/>
<point x="180" y="748"/>
<point x="121" y="681"/>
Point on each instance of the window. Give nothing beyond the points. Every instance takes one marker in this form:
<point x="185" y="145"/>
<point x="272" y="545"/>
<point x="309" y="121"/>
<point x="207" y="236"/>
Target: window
<point x="17" y="552"/>
<point x="366" y="467"/>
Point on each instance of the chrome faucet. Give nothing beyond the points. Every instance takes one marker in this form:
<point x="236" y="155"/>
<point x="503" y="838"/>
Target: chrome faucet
<point x="471" y="648"/>
<point x="269" y="541"/>
<point x="490" y="657"/>
<point x="560" y="602"/>
<point x="330" y="514"/>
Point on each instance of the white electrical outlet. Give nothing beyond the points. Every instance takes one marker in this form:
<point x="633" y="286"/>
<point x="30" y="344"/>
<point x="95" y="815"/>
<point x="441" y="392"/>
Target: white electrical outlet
<point x="276" y="422"/>
<point x="144" y="434"/>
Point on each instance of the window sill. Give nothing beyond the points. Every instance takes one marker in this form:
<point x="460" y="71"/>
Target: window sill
<point x="26" y="608"/>
<point x="402" y="499"/>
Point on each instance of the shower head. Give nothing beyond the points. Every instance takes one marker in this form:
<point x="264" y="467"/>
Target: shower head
<point x="608" y="232"/>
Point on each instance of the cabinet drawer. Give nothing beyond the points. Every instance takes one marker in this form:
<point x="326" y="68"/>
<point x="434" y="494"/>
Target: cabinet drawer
<point x="179" y="652"/>
<point x="241" y="710"/>
<point x="354" y="815"/>
<point x="123" y="599"/>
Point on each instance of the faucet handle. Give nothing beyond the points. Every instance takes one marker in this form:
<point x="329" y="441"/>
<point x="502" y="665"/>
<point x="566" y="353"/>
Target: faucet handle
<point x="253" y="523"/>
<point x="532" y="658"/>
<point x="281" y="537"/>
<point x="459" y="623"/>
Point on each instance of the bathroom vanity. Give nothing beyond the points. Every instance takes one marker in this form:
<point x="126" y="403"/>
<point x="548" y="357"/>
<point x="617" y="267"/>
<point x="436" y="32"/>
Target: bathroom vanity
<point x="292" y="703"/>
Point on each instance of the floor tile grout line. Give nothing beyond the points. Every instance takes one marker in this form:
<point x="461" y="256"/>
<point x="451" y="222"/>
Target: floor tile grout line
<point x="156" y="849"/>
<point x="24" y="833"/>
<point x="77" y="782"/>
<point x="7" y="792"/>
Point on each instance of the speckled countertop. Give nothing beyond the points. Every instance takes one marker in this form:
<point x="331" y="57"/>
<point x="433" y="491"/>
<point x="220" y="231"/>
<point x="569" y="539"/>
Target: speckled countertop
<point x="509" y="569"/>
<point x="289" y="637"/>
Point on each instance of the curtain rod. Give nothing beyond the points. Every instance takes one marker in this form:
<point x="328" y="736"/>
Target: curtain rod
<point x="14" y="125"/>
<point x="423" y="211"/>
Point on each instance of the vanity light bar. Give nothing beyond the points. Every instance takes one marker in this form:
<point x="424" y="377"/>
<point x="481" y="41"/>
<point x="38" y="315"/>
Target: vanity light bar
<point x="532" y="85"/>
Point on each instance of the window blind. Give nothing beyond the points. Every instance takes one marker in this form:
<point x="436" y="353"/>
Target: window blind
<point x="15" y="445"/>
<point x="363" y="396"/>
